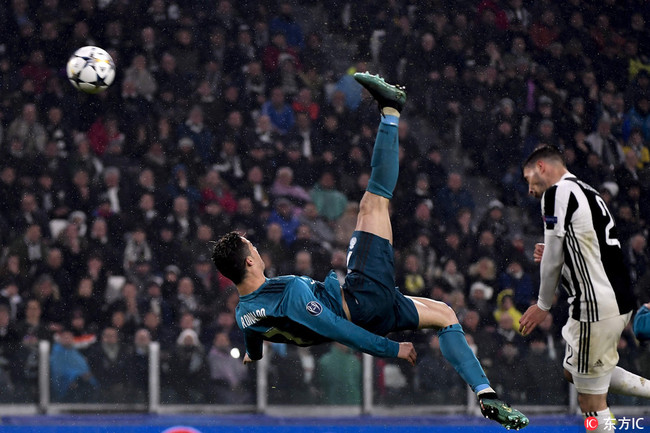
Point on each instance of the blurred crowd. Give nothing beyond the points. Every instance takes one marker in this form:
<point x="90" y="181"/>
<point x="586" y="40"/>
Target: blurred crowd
<point x="243" y="115"/>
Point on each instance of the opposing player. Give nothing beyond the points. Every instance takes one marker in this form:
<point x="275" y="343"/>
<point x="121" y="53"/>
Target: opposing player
<point x="298" y="310"/>
<point x="581" y="251"/>
<point x="642" y="323"/>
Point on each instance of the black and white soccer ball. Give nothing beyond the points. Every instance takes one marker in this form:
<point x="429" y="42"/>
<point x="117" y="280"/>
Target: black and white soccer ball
<point x="91" y="69"/>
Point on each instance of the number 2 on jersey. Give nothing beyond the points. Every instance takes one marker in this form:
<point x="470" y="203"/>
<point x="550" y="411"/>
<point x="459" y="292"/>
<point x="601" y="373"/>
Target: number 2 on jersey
<point x="610" y="224"/>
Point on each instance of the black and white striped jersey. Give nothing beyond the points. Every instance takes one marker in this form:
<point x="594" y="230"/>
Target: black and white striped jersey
<point x="583" y="251"/>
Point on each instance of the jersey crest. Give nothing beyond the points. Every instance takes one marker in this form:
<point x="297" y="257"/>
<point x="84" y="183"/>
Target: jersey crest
<point x="314" y="308"/>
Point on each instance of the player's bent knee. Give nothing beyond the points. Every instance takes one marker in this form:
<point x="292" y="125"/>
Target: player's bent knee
<point x="434" y="314"/>
<point x="449" y="315"/>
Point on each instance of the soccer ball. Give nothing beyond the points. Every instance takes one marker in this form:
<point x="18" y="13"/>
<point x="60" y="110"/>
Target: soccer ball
<point x="91" y="69"/>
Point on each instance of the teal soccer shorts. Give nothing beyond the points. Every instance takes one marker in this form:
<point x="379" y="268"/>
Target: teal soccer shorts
<point x="375" y="303"/>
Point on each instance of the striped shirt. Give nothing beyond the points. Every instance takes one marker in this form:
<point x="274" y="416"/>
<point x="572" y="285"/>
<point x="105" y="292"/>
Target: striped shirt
<point x="582" y="252"/>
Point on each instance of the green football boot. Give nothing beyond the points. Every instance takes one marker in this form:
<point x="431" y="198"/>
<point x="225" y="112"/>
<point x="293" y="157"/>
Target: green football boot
<point x="386" y="95"/>
<point x="501" y="412"/>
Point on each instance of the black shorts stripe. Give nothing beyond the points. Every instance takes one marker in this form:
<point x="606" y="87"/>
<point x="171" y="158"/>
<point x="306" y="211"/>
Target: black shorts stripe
<point x="583" y="347"/>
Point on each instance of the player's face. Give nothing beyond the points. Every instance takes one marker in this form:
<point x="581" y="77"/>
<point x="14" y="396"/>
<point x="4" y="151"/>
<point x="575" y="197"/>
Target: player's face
<point x="536" y="182"/>
<point x="254" y="253"/>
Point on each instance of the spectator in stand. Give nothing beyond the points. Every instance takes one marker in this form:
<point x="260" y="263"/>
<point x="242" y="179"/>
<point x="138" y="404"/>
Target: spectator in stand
<point x="545" y="31"/>
<point x="158" y="332"/>
<point x="9" y="343"/>
<point x="71" y="377"/>
<point x="182" y="219"/>
<point x="31" y="324"/>
<point x="452" y="197"/>
<point x="143" y="80"/>
<point x="329" y="200"/>
<point x="137" y="249"/>
<point x="636" y="258"/>
<point x="519" y="282"/>
<point x="628" y="173"/>
<point x="28" y="130"/>
<point x="283" y="187"/>
<point x="138" y="368"/>
<point x="283" y="214"/>
<point x="85" y="302"/>
<point x="279" y="112"/>
<point x="229" y="162"/>
<point x="215" y="188"/>
<point x="605" y="145"/>
<point x="195" y="128"/>
<point x="186" y="157"/>
<point x="109" y="362"/>
<point x="30" y="213"/>
<point x="171" y="85"/>
<point x="31" y="249"/>
<point x="227" y="373"/>
<point x="247" y="220"/>
<point x="274" y="51"/>
<point x="188" y="368"/>
<point x="637" y="144"/>
<point x="320" y="228"/>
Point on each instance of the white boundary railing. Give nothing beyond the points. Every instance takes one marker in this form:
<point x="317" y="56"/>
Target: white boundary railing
<point x="262" y="404"/>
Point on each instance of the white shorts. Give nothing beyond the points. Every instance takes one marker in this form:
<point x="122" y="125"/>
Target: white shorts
<point x="591" y="347"/>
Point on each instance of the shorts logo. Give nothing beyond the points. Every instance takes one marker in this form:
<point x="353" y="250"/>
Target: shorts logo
<point x="353" y="242"/>
<point x="314" y="308"/>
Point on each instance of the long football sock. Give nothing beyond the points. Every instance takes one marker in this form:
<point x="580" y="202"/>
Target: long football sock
<point x="604" y="419"/>
<point x="385" y="158"/>
<point x="455" y="349"/>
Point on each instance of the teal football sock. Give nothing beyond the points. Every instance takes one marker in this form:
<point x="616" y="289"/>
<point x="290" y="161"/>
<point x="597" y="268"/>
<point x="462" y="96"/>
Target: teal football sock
<point x="385" y="158"/>
<point x="455" y="349"/>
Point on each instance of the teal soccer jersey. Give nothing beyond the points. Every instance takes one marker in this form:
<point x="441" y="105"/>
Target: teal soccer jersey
<point x="304" y="312"/>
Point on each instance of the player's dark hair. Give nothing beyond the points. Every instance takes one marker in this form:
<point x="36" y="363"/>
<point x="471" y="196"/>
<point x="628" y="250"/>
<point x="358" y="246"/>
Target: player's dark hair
<point x="544" y="152"/>
<point x="229" y="256"/>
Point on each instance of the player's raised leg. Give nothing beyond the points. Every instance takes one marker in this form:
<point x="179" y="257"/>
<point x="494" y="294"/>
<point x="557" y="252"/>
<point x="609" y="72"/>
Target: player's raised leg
<point x="374" y="218"/>
<point x="373" y="209"/>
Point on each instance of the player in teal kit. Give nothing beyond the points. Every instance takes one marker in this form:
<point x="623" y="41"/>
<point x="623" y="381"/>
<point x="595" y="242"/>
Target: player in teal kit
<point x="298" y="310"/>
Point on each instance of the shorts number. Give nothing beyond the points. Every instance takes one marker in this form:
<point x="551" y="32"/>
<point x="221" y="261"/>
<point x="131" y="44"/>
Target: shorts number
<point x="569" y="355"/>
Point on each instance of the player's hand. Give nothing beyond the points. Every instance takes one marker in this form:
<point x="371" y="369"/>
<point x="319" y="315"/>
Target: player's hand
<point x="247" y="359"/>
<point x="647" y="305"/>
<point x="539" y="251"/>
<point x="407" y="352"/>
<point x="531" y="318"/>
